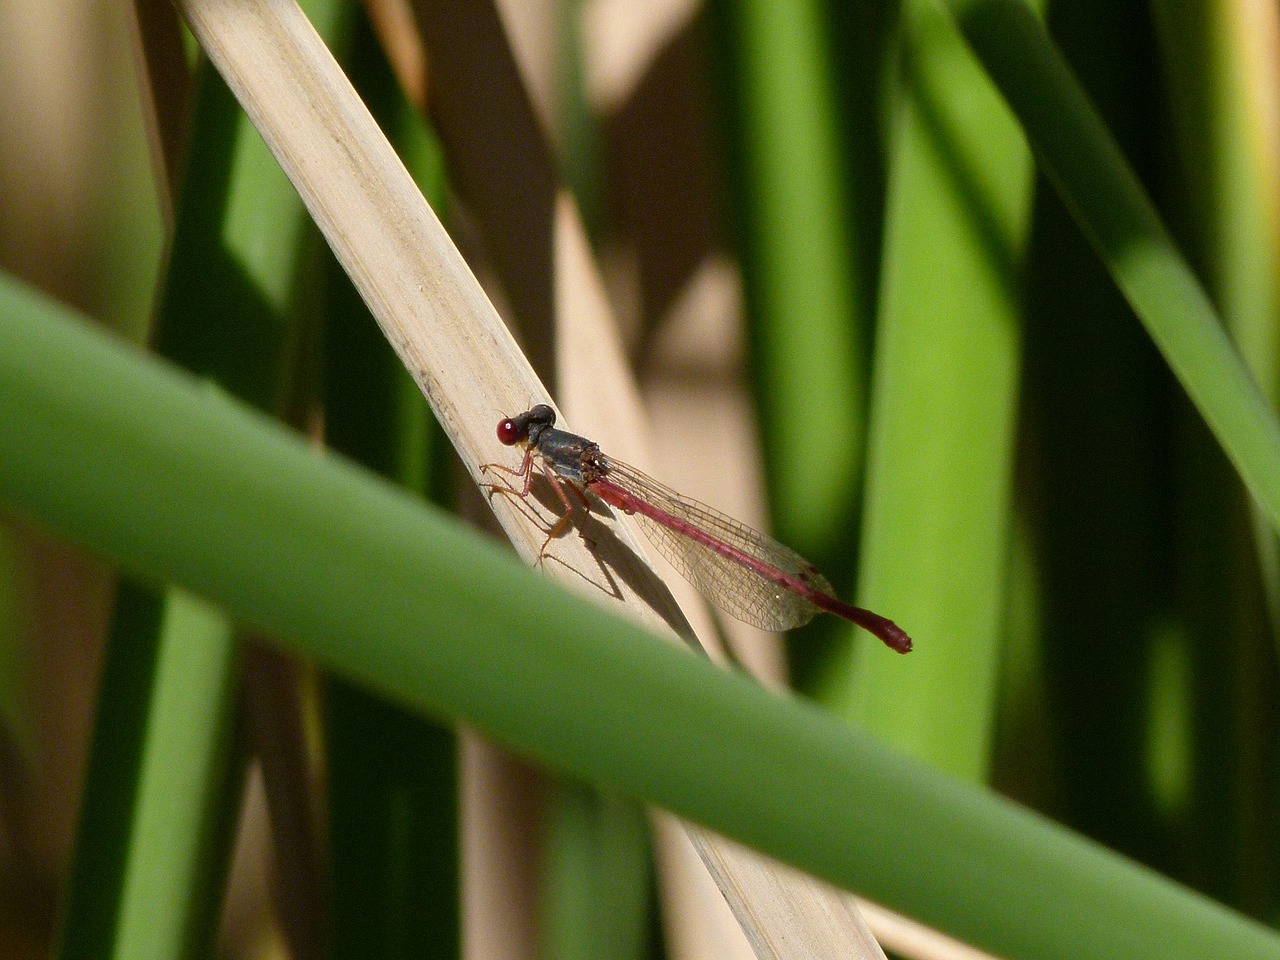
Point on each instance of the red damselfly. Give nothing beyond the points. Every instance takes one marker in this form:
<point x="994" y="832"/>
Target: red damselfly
<point x="745" y="573"/>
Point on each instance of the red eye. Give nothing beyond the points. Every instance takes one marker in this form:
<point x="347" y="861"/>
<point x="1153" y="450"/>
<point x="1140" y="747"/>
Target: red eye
<point x="510" y="433"/>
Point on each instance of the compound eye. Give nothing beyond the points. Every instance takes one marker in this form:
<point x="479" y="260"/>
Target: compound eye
<point x="510" y="432"/>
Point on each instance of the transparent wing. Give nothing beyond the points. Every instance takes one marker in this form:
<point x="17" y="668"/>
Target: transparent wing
<point x="735" y="586"/>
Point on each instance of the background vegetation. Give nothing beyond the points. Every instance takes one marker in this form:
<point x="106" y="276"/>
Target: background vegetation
<point x="950" y="342"/>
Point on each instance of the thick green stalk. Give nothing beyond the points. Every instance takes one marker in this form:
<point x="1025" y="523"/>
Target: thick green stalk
<point x="178" y="481"/>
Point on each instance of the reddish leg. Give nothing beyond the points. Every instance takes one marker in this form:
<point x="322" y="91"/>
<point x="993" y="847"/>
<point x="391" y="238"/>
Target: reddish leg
<point x="557" y="484"/>
<point x="524" y="471"/>
<point x="507" y="490"/>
